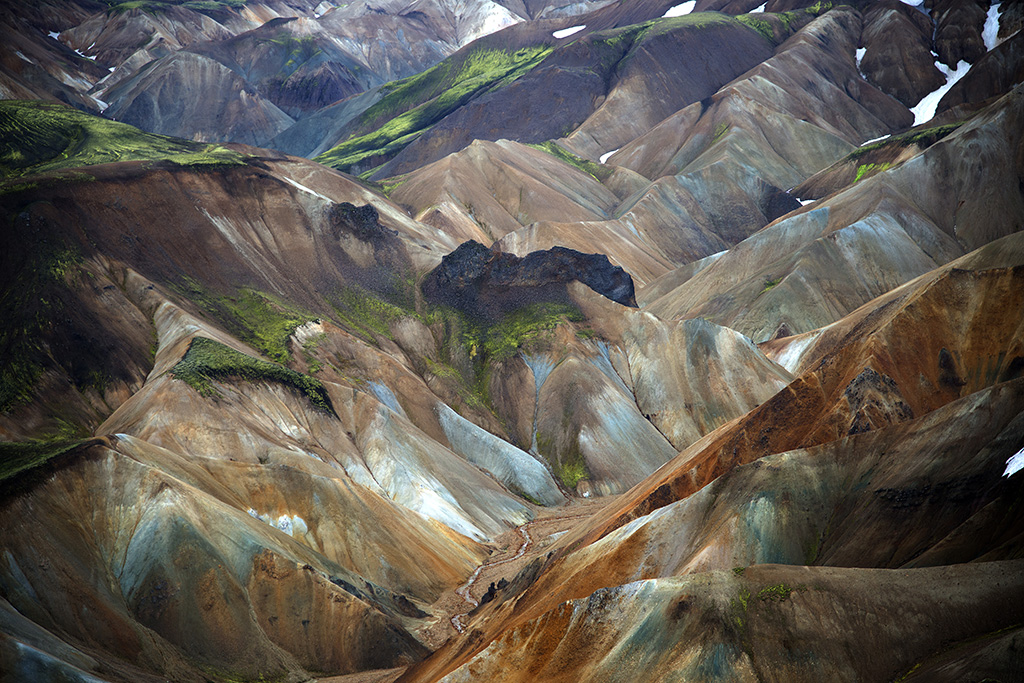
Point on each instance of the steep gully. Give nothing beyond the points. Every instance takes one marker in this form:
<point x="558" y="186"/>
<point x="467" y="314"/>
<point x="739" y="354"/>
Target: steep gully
<point x="529" y="540"/>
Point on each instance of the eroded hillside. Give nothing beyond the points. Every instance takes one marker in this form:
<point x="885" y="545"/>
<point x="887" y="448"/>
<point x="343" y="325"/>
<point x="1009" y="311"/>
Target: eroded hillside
<point x="504" y="341"/>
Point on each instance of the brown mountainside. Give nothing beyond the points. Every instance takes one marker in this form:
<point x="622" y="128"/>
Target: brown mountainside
<point x="682" y="347"/>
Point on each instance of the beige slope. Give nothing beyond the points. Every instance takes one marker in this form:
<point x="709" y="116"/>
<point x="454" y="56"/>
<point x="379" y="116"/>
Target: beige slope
<point x="720" y="166"/>
<point x="490" y="189"/>
<point x="366" y="443"/>
<point x="817" y="264"/>
<point x="157" y="569"/>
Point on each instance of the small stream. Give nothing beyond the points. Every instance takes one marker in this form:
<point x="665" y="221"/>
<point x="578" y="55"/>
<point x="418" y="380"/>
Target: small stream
<point x="464" y="591"/>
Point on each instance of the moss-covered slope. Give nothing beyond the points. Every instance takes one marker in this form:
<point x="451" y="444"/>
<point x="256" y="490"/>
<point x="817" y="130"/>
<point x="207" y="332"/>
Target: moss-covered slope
<point x="39" y="136"/>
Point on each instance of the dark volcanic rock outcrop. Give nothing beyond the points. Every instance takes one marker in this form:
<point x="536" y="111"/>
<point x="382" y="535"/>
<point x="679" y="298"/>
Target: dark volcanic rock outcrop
<point x="487" y="283"/>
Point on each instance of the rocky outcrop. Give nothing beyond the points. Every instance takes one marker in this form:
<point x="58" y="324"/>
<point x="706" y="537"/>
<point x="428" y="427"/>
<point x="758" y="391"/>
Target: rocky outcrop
<point x="897" y="55"/>
<point x="958" y="27"/>
<point x="488" y="283"/>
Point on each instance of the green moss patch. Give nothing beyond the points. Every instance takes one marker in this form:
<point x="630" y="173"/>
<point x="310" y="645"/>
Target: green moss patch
<point x="412" y="105"/>
<point x="599" y="171"/>
<point x="503" y="339"/>
<point x="18" y="458"/>
<point x="572" y="473"/>
<point x="28" y="310"/>
<point x="924" y="137"/>
<point x="366" y="313"/>
<point x="258" y="319"/>
<point x="156" y="6"/>
<point x="868" y="170"/>
<point x="207" y="360"/>
<point x="778" y="593"/>
<point x="36" y="137"/>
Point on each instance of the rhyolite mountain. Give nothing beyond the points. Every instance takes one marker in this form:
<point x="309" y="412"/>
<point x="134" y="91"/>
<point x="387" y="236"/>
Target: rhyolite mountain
<point x="695" y="329"/>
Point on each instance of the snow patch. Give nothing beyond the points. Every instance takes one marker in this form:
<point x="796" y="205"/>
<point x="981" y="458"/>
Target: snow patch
<point x="304" y="188"/>
<point x="859" y="54"/>
<point x="1015" y="464"/>
<point x="18" y="52"/>
<point x="805" y="202"/>
<point x="925" y="109"/>
<point x="759" y="9"/>
<point x="868" y="142"/>
<point x="566" y="32"/>
<point x="604" y="157"/>
<point x="990" y="34"/>
<point x="292" y="525"/>
<point x="54" y="35"/>
<point x="680" y="10"/>
<point x="912" y="3"/>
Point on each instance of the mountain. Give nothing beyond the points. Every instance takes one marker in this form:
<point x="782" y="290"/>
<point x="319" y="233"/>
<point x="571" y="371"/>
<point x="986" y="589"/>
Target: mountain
<point x="458" y="341"/>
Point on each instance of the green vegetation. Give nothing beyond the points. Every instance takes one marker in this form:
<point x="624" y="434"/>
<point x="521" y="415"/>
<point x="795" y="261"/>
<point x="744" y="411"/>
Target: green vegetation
<point x="922" y="138"/>
<point x="778" y="592"/>
<point x="768" y="284"/>
<point x="867" y="170"/>
<point x="412" y="105"/>
<point x="572" y="473"/>
<point x="309" y="353"/>
<point x="503" y="339"/>
<point x="39" y="136"/>
<point x="256" y="318"/>
<point x="720" y="131"/>
<point x="738" y="571"/>
<point x="207" y="360"/>
<point x="154" y="6"/>
<point x="20" y="457"/>
<point x="366" y="313"/>
<point x="600" y="172"/>
<point x="785" y="22"/>
<point x="759" y="25"/>
<point x="28" y="310"/>
<point x="738" y="607"/>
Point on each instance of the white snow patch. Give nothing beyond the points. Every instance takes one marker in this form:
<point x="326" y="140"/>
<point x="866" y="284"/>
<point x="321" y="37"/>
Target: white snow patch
<point x="859" y="54"/>
<point x="680" y="10"/>
<point x="292" y="525"/>
<point x="54" y="35"/>
<point x="304" y="188"/>
<point x="566" y="32"/>
<point x="18" y="52"/>
<point x="805" y="202"/>
<point x="759" y="9"/>
<point x="1015" y="464"/>
<point x="912" y="3"/>
<point x="868" y="142"/>
<point x="990" y="34"/>
<point x="606" y="155"/>
<point x="925" y="109"/>
<point x="100" y="103"/>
